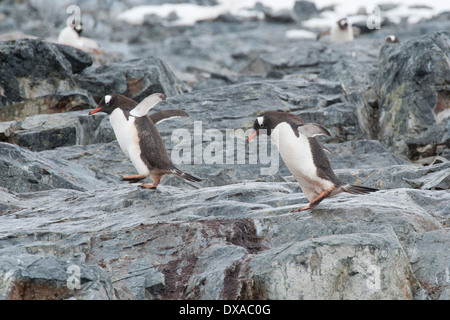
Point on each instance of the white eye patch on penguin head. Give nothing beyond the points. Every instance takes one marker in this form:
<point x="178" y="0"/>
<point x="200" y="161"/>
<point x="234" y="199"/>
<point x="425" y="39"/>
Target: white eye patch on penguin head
<point x="107" y="99"/>
<point x="260" y="121"/>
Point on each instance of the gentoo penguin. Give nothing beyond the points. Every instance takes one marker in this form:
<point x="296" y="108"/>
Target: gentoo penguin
<point x="304" y="156"/>
<point x="139" y="138"/>
<point x="341" y="31"/>
<point x="71" y="36"/>
<point x="392" y="39"/>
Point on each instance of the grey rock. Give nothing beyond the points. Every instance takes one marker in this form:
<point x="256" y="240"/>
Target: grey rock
<point x="35" y="277"/>
<point x="26" y="171"/>
<point x="425" y="199"/>
<point x="356" y="266"/>
<point x="348" y="71"/>
<point x="49" y="131"/>
<point x="413" y="94"/>
<point x="220" y="241"/>
<point x="314" y="57"/>
<point x="346" y="158"/>
<point x="362" y="154"/>
<point x="59" y="102"/>
<point x="37" y="77"/>
<point x="34" y="67"/>
<point x="102" y="158"/>
<point x="141" y="282"/>
<point x="6" y="129"/>
<point x="305" y="10"/>
<point x="245" y="225"/>
<point x="236" y="106"/>
<point x="78" y="59"/>
<point x="433" y="177"/>
<point x="135" y="79"/>
<point x="213" y="107"/>
<point x="281" y="16"/>
<point x="214" y="271"/>
<point x="232" y="236"/>
<point x="429" y="257"/>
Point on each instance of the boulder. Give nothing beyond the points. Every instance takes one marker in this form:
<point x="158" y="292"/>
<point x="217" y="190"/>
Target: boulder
<point x="357" y="267"/>
<point x="413" y="87"/>
<point x="50" y="131"/>
<point x="6" y="129"/>
<point x="38" y="77"/>
<point x="33" y="67"/>
<point x="135" y="79"/>
<point x="27" y="171"/>
<point x="45" y="277"/>
<point x="59" y="102"/>
<point x="429" y="257"/>
<point x="304" y="10"/>
<point x="330" y="61"/>
<point x="434" y="177"/>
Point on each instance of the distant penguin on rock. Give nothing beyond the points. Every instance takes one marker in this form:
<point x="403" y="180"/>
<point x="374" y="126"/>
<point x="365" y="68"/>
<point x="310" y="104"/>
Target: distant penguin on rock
<point x="71" y="36"/>
<point x="342" y="30"/>
<point x="304" y="156"/>
<point x="139" y="138"/>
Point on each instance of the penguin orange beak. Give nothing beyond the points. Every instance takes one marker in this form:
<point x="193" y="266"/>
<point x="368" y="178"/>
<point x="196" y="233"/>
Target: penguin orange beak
<point x="252" y="136"/>
<point x="95" y="111"/>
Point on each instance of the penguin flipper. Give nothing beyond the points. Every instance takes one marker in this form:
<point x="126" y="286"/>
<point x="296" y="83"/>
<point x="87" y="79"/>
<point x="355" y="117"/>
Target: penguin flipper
<point x="313" y="129"/>
<point x="164" y="115"/>
<point x="145" y="105"/>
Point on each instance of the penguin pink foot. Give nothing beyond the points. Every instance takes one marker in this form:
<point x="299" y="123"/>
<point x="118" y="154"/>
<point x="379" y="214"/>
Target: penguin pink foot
<point x="151" y="186"/>
<point x="315" y="201"/>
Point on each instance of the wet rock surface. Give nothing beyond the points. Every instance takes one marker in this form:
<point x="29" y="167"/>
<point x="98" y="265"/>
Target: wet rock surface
<point x="33" y="67"/>
<point x="71" y="229"/>
<point x="413" y="82"/>
<point x="136" y="79"/>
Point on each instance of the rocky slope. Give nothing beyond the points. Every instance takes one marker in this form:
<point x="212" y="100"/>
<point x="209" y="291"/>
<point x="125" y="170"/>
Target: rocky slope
<point x="70" y="229"/>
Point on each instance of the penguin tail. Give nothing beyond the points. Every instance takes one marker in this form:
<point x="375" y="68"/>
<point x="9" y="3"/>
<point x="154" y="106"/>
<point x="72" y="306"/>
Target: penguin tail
<point x="349" y="188"/>
<point x="186" y="176"/>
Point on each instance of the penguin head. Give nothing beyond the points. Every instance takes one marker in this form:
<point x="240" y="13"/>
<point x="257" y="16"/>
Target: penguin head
<point x="343" y="24"/>
<point x="78" y="28"/>
<point x="262" y="122"/>
<point x="392" y="39"/>
<point x="76" y="25"/>
<point x="107" y="104"/>
<point x="269" y="120"/>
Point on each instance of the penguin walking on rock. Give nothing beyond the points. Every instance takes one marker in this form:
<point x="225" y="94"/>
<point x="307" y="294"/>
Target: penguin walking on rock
<point x="304" y="155"/>
<point x="139" y="138"/>
<point x="342" y="30"/>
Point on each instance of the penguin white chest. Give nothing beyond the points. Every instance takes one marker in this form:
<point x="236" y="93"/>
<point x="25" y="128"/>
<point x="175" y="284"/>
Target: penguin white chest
<point x="295" y="151"/>
<point x="337" y="34"/>
<point x="125" y="131"/>
<point x="128" y="138"/>
<point x="70" y="37"/>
